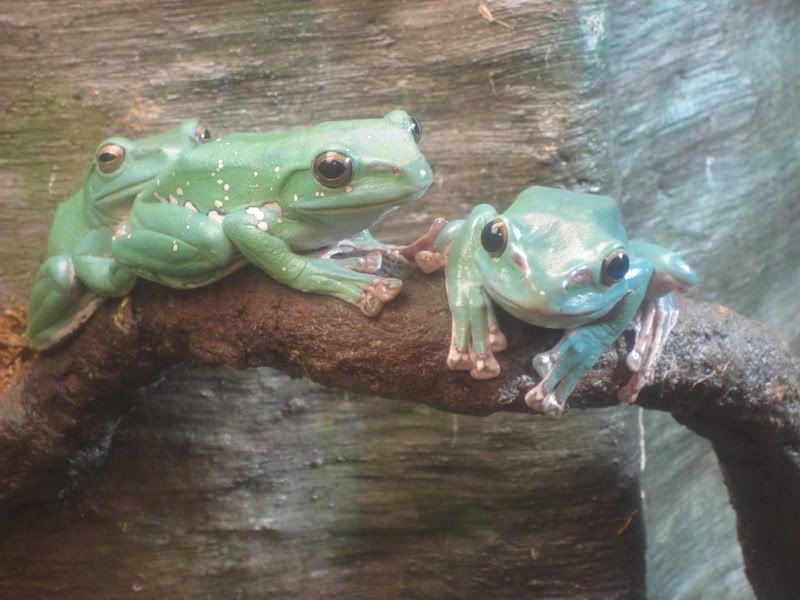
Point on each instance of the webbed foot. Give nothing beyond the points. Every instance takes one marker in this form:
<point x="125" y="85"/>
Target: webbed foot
<point x="428" y="262"/>
<point x="370" y="262"/>
<point x="378" y="293"/>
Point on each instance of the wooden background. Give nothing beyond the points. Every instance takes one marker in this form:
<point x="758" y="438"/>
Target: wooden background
<point x="223" y="484"/>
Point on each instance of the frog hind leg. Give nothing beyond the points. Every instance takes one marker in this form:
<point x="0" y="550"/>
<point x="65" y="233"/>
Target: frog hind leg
<point x="658" y="313"/>
<point x="257" y="235"/>
<point x="59" y="303"/>
<point x="652" y="325"/>
<point x="173" y="245"/>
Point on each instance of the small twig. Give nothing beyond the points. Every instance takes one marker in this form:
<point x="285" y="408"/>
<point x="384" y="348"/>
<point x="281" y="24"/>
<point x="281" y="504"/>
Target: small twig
<point x="486" y="13"/>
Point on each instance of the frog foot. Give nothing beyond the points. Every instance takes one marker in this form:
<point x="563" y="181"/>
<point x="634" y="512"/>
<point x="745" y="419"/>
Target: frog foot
<point x="484" y="366"/>
<point x="542" y="400"/>
<point x="428" y="262"/>
<point x="368" y="263"/>
<point x="424" y="243"/>
<point x="652" y="324"/>
<point x="378" y="293"/>
<point x="480" y="366"/>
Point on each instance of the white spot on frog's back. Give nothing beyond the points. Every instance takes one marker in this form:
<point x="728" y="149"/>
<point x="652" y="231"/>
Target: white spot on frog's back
<point x="422" y="172"/>
<point x="226" y="187"/>
<point x="277" y="169"/>
<point x="255" y="212"/>
<point x="174" y="245"/>
<point x="190" y="206"/>
<point x="255" y="173"/>
<point x="179" y="191"/>
<point x="172" y="199"/>
<point x="262" y="225"/>
<point x="215" y="216"/>
<point x="218" y="203"/>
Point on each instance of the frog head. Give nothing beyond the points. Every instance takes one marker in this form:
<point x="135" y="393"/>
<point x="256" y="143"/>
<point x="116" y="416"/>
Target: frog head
<point x="553" y="263"/>
<point x="122" y="167"/>
<point x="343" y="169"/>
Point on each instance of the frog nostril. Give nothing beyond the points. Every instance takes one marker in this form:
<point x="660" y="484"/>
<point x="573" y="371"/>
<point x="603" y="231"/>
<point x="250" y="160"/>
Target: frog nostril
<point x="582" y="275"/>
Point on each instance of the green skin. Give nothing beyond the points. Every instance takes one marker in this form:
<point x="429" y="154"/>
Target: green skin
<point x="550" y="273"/>
<point x="79" y="271"/>
<point x="257" y="198"/>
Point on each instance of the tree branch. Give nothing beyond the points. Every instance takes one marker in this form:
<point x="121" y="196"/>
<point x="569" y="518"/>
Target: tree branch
<point x="728" y="378"/>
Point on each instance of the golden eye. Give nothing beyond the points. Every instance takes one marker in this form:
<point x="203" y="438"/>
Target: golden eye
<point x="202" y="133"/>
<point x="494" y="237"/>
<point x="110" y="158"/>
<point x="333" y="169"/>
<point x="615" y="266"/>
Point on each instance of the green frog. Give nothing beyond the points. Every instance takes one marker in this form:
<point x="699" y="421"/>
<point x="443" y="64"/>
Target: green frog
<point x="562" y="260"/>
<point x="79" y="271"/>
<point x="274" y="200"/>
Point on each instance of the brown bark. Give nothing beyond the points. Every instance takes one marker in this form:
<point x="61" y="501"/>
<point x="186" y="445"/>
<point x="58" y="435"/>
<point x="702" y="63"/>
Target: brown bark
<point x="724" y="376"/>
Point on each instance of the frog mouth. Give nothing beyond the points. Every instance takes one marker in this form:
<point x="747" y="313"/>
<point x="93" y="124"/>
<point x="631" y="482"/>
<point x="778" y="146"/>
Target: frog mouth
<point x="560" y="318"/>
<point x="110" y="200"/>
<point x="325" y="207"/>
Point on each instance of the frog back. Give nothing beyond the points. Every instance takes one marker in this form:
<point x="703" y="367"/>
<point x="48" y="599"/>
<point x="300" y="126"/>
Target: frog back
<point x="589" y="214"/>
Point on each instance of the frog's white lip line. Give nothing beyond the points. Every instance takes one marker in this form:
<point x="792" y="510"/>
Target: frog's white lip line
<point x="314" y="205"/>
<point x="130" y="190"/>
<point x="547" y="314"/>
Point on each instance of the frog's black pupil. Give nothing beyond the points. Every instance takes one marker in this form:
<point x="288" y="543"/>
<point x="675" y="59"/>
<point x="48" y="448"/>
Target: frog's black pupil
<point x="493" y="237"/>
<point x="617" y="267"/>
<point x="416" y="129"/>
<point x="107" y="156"/>
<point x="206" y="134"/>
<point x="330" y="168"/>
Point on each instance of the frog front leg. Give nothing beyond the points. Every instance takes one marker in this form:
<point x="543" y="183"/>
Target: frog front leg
<point x="96" y="268"/>
<point x="259" y="235"/>
<point x="562" y="367"/>
<point x="475" y="334"/>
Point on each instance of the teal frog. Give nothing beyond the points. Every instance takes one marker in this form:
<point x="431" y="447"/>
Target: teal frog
<point x="79" y="271"/>
<point x="562" y="260"/>
<point x="271" y="199"/>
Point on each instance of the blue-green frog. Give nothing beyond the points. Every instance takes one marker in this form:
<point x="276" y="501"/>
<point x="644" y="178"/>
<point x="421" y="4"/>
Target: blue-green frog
<point x="562" y="260"/>
<point x="79" y="271"/>
<point x="270" y="199"/>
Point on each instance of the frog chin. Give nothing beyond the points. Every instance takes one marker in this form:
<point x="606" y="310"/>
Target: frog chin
<point x="115" y="204"/>
<point x="566" y="317"/>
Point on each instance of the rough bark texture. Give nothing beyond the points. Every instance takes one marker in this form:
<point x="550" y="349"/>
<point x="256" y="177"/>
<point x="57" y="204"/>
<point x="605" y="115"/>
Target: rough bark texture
<point x="722" y="375"/>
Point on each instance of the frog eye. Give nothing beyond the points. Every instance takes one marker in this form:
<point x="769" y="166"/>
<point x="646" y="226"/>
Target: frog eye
<point x="333" y="169"/>
<point x="615" y="266"/>
<point x="415" y="128"/>
<point x="494" y="237"/>
<point x="110" y="157"/>
<point x="202" y="134"/>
